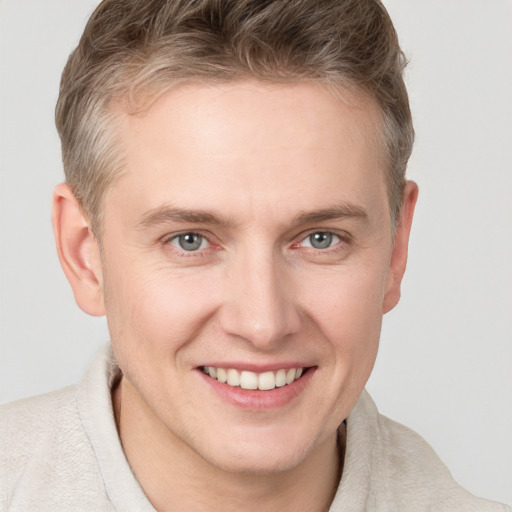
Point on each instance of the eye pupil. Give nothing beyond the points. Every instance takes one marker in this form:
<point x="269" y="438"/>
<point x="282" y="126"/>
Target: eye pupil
<point x="190" y="241"/>
<point x="320" y="240"/>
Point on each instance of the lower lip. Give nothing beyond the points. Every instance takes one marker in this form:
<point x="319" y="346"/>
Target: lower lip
<point x="256" y="399"/>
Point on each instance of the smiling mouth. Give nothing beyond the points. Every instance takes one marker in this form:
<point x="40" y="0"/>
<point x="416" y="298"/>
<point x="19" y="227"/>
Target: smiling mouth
<point x="264" y="381"/>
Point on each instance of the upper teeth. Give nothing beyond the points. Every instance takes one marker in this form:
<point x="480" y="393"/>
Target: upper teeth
<point x="251" y="380"/>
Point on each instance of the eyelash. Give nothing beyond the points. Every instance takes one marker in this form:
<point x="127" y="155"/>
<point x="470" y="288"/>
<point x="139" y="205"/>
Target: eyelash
<point x="343" y="239"/>
<point x="168" y="240"/>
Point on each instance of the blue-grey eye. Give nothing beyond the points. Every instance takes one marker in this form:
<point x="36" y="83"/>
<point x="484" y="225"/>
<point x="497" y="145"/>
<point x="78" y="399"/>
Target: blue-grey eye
<point x="321" y="239"/>
<point x="189" y="241"/>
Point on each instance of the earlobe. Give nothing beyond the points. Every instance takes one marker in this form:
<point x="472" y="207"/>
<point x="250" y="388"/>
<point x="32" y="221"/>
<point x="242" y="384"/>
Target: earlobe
<point x="78" y="250"/>
<point x="398" y="260"/>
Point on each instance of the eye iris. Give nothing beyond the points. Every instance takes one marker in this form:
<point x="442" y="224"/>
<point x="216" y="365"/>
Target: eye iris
<point x="320" y="240"/>
<point x="190" y="241"/>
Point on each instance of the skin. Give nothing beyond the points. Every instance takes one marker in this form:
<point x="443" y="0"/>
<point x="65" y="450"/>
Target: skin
<point x="262" y="161"/>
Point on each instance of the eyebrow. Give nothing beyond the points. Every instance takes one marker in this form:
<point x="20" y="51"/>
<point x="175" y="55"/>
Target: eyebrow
<point x="163" y="214"/>
<point x="166" y="213"/>
<point x="336" y="212"/>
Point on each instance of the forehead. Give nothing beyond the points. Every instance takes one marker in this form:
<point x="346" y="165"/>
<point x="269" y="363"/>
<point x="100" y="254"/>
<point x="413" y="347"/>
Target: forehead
<point x="249" y="142"/>
<point x="235" y="111"/>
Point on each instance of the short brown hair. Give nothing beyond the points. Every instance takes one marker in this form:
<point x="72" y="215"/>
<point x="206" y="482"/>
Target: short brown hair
<point x="138" y="48"/>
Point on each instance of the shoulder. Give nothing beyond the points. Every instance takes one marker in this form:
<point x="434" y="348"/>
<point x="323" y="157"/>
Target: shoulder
<point x="25" y="423"/>
<point x="48" y="402"/>
<point x="420" y="471"/>
<point x="404" y="469"/>
<point x="45" y="453"/>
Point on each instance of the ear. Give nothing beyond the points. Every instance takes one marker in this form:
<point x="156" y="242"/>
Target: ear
<point x="398" y="260"/>
<point x="78" y="250"/>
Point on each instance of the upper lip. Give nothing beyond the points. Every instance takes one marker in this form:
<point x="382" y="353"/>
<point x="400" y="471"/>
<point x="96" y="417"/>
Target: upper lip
<point x="256" y="368"/>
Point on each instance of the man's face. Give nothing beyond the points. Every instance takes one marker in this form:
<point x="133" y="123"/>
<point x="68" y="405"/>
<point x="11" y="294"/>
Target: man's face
<point x="250" y="233"/>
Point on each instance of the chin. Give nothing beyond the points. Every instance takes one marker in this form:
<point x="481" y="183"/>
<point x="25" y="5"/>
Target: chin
<point x="256" y="464"/>
<point x="257" y="456"/>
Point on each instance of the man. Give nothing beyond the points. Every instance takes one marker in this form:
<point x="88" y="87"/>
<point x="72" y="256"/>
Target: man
<point x="236" y="205"/>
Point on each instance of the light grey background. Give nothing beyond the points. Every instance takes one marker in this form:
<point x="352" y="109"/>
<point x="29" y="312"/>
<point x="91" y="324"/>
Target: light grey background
<point x="445" y="364"/>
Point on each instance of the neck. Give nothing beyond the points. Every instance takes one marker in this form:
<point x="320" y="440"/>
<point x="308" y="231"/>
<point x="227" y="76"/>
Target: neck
<point x="175" y="477"/>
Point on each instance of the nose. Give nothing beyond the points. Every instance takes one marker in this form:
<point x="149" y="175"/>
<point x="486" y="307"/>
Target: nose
<point x="259" y="304"/>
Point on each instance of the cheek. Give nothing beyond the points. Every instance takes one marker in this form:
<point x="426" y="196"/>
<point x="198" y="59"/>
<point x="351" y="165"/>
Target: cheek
<point x="346" y="305"/>
<point x="347" y="298"/>
<point x="155" y="312"/>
